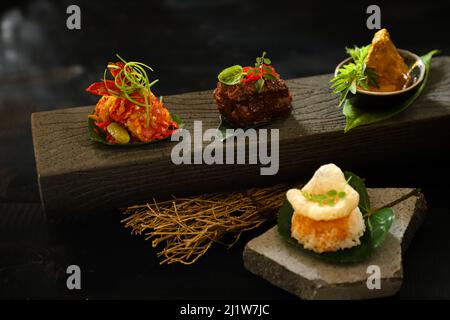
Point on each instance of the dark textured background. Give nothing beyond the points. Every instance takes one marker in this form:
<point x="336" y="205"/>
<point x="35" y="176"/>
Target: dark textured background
<point x="44" y="66"/>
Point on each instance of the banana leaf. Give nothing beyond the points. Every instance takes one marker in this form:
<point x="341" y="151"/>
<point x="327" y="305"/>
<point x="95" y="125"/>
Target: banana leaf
<point x="356" y="116"/>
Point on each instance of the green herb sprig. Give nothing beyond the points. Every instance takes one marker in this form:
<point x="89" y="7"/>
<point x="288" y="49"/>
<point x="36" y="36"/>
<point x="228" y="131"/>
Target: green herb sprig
<point x="259" y="74"/>
<point x="260" y="65"/>
<point x="260" y="61"/>
<point x="354" y="74"/>
<point x="231" y="75"/>
<point x="330" y="198"/>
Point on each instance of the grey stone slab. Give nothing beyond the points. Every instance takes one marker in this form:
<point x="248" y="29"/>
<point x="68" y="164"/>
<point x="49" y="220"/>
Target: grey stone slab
<point x="270" y="257"/>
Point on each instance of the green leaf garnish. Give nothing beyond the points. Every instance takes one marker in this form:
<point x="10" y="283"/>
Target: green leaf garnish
<point x="378" y="224"/>
<point x="222" y="128"/>
<point x="330" y="198"/>
<point x="269" y="76"/>
<point x="258" y="74"/>
<point x="353" y="74"/>
<point x="356" y="116"/>
<point x="259" y="84"/>
<point x="231" y="75"/>
<point x="262" y="60"/>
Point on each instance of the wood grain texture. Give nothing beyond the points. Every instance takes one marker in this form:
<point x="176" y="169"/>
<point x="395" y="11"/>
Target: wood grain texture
<point x="77" y="176"/>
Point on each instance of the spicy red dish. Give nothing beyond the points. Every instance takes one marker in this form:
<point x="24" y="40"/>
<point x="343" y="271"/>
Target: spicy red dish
<point x="249" y="96"/>
<point x="128" y="111"/>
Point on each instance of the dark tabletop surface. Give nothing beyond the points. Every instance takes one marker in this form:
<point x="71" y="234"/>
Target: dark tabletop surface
<point x="45" y="66"/>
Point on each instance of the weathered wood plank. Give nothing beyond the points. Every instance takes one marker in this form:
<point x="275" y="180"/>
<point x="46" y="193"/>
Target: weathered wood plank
<point x="21" y="221"/>
<point x="78" y="176"/>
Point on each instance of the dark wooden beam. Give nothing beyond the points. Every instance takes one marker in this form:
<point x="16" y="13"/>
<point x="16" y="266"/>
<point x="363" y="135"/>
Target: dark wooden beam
<point x="78" y="176"/>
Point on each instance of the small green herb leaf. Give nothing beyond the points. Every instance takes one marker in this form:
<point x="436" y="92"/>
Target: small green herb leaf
<point x="231" y="76"/>
<point x="261" y="60"/>
<point x="332" y="193"/>
<point x="270" y="77"/>
<point x="259" y="84"/>
<point x="353" y="87"/>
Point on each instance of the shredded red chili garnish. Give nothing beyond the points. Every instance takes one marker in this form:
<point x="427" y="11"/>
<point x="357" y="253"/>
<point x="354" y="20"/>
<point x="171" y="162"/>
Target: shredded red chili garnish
<point x="252" y="74"/>
<point x="114" y="107"/>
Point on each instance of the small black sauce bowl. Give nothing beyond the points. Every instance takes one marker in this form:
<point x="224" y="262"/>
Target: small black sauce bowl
<point x="381" y="100"/>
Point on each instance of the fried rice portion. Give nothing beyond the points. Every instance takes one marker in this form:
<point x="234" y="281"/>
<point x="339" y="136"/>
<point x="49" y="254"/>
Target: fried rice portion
<point x="328" y="236"/>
